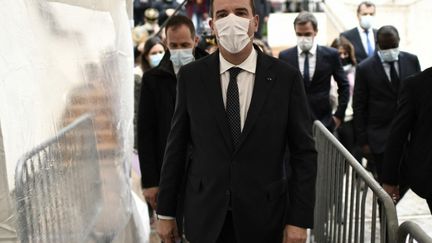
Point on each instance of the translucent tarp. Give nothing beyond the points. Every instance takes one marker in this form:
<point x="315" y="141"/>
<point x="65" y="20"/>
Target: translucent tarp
<point x="66" y="90"/>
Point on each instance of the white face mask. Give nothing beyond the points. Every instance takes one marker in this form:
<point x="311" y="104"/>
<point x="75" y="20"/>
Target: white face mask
<point x="389" y="55"/>
<point x="181" y="57"/>
<point x="232" y="33"/>
<point x="366" y="21"/>
<point x="305" y="42"/>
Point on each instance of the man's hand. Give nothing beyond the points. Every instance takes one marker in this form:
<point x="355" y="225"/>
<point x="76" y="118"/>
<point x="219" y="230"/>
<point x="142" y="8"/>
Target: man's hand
<point x="366" y="151"/>
<point x="167" y="230"/>
<point x="294" y="234"/>
<point x="150" y="195"/>
<point x="337" y="122"/>
<point x="393" y="191"/>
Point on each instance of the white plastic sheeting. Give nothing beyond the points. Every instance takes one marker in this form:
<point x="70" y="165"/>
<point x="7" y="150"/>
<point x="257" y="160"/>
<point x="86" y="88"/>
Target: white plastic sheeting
<point x="60" y="60"/>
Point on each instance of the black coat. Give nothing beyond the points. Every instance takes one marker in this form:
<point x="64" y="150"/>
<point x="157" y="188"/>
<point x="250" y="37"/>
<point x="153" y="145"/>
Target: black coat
<point x="318" y="90"/>
<point x="156" y="107"/>
<point x="375" y="99"/>
<point x="412" y="127"/>
<point x="253" y="175"/>
<point x="353" y="36"/>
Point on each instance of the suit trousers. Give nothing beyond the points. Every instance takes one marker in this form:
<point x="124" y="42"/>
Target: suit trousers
<point x="227" y="234"/>
<point x="346" y="136"/>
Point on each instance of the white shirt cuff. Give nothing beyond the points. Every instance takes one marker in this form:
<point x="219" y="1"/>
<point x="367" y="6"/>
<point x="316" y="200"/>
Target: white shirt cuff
<point x="164" y="217"/>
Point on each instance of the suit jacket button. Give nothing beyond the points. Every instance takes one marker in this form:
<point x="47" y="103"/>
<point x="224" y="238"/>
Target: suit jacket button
<point x="228" y="192"/>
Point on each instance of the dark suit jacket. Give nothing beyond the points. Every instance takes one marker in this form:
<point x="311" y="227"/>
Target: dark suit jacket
<point x="353" y="36"/>
<point x="155" y="110"/>
<point x="318" y="90"/>
<point x="374" y="100"/>
<point x="252" y="175"/>
<point x="412" y="124"/>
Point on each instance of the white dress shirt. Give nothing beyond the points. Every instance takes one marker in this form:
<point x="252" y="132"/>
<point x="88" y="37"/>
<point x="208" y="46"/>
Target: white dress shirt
<point x="245" y="82"/>
<point x="312" y="60"/>
<point x="364" y="39"/>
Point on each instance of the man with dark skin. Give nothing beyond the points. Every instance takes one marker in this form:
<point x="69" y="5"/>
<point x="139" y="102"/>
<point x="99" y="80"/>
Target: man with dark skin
<point x="377" y="85"/>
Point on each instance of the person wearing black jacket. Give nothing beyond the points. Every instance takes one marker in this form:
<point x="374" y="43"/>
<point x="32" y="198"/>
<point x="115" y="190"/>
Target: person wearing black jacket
<point x="376" y="91"/>
<point x="157" y="101"/>
<point x="318" y="64"/>
<point x="408" y="155"/>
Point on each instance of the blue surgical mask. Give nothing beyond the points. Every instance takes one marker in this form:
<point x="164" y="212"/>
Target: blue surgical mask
<point x="155" y="59"/>
<point x="389" y="55"/>
<point x="181" y="57"/>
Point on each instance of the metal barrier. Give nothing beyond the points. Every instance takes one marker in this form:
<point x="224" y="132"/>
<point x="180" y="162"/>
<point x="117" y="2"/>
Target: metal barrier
<point x="412" y="231"/>
<point x="342" y="202"/>
<point x="58" y="187"/>
<point x="7" y="233"/>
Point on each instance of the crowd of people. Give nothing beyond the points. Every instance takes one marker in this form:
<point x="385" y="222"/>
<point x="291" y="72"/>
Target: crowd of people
<point x="224" y="129"/>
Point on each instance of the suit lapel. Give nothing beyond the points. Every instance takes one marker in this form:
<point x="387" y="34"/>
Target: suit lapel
<point x="294" y="57"/>
<point x="318" y="60"/>
<point x="214" y="90"/>
<point x="360" y="43"/>
<point x="402" y="67"/>
<point x="263" y="83"/>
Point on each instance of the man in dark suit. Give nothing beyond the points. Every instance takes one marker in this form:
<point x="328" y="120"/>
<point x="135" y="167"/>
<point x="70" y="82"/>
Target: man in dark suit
<point x="317" y="65"/>
<point x="157" y="101"/>
<point x="408" y="155"/>
<point x="240" y="109"/>
<point x="376" y="90"/>
<point x="363" y="37"/>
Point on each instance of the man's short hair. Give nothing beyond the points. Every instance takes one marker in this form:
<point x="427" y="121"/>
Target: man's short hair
<point x="304" y="18"/>
<point x="178" y="20"/>
<point x="368" y="4"/>
<point x="387" y="31"/>
<point x="252" y="5"/>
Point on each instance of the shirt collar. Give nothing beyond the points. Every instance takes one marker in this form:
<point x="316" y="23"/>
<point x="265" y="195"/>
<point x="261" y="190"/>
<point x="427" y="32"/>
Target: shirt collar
<point x="362" y="31"/>
<point x="248" y="65"/>
<point x="312" y="51"/>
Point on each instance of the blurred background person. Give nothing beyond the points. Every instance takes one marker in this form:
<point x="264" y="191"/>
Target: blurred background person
<point x="262" y="9"/>
<point x="166" y="9"/>
<point x="197" y="11"/>
<point x="346" y="132"/>
<point x="318" y="64"/>
<point x="363" y="37"/>
<point x="139" y="6"/>
<point x="151" y="24"/>
<point x="154" y="50"/>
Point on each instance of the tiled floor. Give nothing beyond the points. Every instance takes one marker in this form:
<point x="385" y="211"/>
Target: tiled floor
<point x="414" y="208"/>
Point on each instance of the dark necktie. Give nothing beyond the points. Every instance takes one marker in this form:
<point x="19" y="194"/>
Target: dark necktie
<point x="306" y="75"/>
<point x="394" y="76"/>
<point x="233" y="105"/>
<point x="368" y="43"/>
